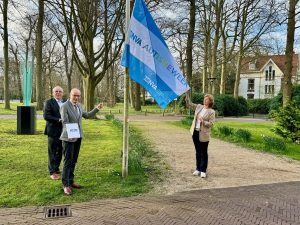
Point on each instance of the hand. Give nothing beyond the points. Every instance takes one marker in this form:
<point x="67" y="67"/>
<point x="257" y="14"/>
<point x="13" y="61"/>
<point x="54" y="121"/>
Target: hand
<point x="200" y="118"/>
<point x="99" y="106"/>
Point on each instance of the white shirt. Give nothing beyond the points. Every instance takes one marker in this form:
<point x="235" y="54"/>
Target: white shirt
<point x="59" y="102"/>
<point x="198" y="121"/>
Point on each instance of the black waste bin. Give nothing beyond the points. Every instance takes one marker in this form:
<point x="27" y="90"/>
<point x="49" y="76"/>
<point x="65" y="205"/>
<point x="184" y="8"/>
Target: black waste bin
<point x="26" y="119"/>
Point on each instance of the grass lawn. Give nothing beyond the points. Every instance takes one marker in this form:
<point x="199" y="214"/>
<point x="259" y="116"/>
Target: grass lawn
<point x="257" y="130"/>
<point x="117" y="109"/>
<point x="24" y="178"/>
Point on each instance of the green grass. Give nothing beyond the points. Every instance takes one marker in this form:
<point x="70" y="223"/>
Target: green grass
<point x="257" y="131"/>
<point x="117" y="109"/>
<point x="24" y="178"/>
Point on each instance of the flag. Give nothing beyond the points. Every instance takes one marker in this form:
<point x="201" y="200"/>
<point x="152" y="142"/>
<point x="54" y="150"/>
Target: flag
<point x="148" y="58"/>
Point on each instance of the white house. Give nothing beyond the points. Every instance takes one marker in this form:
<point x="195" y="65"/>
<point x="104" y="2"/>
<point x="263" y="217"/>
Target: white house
<point x="261" y="76"/>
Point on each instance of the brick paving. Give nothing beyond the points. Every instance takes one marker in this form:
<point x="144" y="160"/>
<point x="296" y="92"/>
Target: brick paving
<point x="267" y="204"/>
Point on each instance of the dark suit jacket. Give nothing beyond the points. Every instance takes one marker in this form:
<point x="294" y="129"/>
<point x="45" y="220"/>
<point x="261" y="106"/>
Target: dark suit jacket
<point x="52" y="116"/>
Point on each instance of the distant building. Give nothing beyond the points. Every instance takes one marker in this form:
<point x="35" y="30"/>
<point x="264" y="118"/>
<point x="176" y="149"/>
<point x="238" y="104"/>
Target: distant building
<point x="261" y="77"/>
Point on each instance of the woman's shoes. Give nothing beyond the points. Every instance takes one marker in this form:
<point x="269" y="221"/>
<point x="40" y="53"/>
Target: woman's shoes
<point x="202" y="175"/>
<point x="198" y="173"/>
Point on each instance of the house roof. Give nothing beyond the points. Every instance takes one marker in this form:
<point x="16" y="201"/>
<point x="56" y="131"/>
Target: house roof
<point x="261" y="61"/>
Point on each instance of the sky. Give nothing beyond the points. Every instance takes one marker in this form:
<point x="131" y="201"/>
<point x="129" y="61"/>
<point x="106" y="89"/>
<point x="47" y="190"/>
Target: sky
<point x="279" y="36"/>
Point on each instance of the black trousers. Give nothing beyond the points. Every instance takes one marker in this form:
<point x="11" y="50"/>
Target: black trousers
<point x="54" y="154"/>
<point x="71" y="152"/>
<point x="201" y="152"/>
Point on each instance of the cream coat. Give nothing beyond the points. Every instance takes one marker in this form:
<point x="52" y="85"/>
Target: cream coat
<point x="208" y="121"/>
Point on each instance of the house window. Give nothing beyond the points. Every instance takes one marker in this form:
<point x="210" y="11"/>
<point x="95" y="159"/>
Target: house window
<point x="273" y="77"/>
<point x="267" y="74"/>
<point x="250" y="96"/>
<point x="250" y="85"/>
<point x="266" y="89"/>
<point x="251" y="66"/>
<point x="269" y="89"/>
<point x="270" y="72"/>
<point x="273" y="89"/>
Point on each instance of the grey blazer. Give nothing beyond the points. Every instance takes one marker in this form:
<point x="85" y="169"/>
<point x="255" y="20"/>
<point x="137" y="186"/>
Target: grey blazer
<point x="69" y="115"/>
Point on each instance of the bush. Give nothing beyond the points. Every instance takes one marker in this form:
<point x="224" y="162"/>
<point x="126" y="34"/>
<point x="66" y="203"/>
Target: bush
<point x="150" y="101"/>
<point x="243" y="106"/>
<point x="109" y="116"/>
<point x="259" y="105"/>
<point x="187" y="120"/>
<point x="288" y="122"/>
<point x="225" y="131"/>
<point x="243" y="135"/>
<point x="276" y="102"/>
<point x="273" y="143"/>
<point x="227" y="105"/>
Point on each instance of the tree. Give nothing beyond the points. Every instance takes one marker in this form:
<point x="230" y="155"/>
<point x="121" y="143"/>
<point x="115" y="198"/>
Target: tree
<point x="289" y="53"/>
<point x="4" y="8"/>
<point x="15" y="51"/>
<point x="93" y="21"/>
<point x="39" y="55"/>
<point x="255" y="18"/>
<point x="55" y="23"/>
<point x="190" y="41"/>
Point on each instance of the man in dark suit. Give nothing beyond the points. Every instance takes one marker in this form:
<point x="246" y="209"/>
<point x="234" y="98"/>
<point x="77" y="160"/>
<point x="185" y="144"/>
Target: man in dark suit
<point x="53" y="129"/>
<point x="72" y="113"/>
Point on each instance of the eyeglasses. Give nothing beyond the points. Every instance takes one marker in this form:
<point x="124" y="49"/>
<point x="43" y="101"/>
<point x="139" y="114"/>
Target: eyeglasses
<point x="58" y="91"/>
<point x="76" y="95"/>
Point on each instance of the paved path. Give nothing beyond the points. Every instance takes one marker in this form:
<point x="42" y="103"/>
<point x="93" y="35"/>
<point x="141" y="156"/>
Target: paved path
<point x="225" y="197"/>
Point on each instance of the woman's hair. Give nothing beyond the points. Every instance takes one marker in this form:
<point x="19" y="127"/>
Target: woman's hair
<point x="211" y="100"/>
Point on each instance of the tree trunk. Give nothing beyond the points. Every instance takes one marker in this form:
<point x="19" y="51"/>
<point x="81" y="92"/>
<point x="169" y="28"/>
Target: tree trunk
<point x="289" y="52"/>
<point x="223" y="66"/>
<point x="131" y="93"/>
<point x="218" y="11"/>
<point x="237" y="75"/>
<point x="39" y="56"/>
<point x="6" y="60"/>
<point x="190" y="41"/>
<point x="18" y="73"/>
<point x="88" y="92"/>
<point x="137" y="106"/>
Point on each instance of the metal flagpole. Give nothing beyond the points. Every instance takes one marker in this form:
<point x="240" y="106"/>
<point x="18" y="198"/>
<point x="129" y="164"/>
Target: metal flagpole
<point x="126" y="95"/>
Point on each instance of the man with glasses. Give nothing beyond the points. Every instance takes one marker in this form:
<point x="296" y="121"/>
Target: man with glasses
<point x="53" y="129"/>
<point x="71" y="114"/>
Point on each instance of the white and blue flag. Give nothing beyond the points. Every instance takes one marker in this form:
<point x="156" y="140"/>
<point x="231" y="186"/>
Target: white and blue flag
<point x="149" y="60"/>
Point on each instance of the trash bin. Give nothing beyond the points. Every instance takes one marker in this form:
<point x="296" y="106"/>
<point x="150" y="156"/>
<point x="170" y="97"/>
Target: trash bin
<point x="26" y="119"/>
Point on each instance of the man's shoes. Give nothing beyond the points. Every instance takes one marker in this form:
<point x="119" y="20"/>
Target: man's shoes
<point x="196" y="173"/>
<point x="67" y="190"/>
<point x="203" y="175"/>
<point x="55" y="176"/>
<point x="77" y="186"/>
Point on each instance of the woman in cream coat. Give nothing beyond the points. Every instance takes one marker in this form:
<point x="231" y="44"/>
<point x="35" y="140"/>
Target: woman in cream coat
<point x="204" y="119"/>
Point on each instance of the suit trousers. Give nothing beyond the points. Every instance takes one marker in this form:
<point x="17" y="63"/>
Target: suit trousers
<point x="201" y="152"/>
<point x="71" y="152"/>
<point x="54" y="154"/>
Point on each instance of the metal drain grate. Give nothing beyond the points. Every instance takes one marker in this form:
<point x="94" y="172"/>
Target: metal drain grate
<point x="58" y="211"/>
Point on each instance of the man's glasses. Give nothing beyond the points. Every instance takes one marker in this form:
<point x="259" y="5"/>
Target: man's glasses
<point x="76" y="95"/>
<point x="58" y="91"/>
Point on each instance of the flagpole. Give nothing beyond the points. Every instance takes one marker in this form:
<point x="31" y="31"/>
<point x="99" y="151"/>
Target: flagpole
<point x="126" y="95"/>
